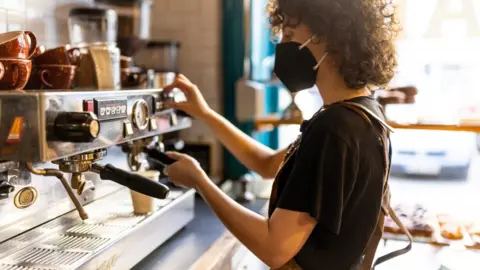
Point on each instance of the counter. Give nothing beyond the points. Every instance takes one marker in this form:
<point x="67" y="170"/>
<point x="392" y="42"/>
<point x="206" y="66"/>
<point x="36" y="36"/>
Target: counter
<point x="205" y="244"/>
<point x="184" y="249"/>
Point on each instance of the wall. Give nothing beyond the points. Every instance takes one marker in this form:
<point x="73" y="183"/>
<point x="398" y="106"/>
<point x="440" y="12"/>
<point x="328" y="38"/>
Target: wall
<point x="196" y="24"/>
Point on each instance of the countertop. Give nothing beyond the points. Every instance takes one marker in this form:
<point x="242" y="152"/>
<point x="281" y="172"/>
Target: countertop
<point x="182" y="250"/>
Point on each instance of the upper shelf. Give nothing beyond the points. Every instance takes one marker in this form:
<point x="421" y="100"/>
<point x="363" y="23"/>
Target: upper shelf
<point x="269" y="122"/>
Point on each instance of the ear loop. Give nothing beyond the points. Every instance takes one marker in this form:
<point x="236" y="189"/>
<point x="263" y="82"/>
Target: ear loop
<point x="305" y="45"/>
<point x="320" y="62"/>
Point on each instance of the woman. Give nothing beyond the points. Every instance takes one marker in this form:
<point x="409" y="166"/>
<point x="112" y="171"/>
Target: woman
<point x="327" y="196"/>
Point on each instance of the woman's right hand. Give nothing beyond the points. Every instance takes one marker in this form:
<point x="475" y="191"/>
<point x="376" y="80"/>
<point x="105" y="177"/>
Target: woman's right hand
<point x="195" y="105"/>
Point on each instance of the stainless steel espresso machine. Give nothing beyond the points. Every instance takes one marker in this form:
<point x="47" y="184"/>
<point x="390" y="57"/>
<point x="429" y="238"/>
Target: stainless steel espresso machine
<point x="67" y="162"/>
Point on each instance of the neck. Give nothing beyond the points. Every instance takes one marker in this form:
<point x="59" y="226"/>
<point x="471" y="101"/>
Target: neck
<point x="333" y="89"/>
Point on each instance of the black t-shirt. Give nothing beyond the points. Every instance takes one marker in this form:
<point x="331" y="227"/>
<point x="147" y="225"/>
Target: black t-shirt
<point x="336" y="176"/>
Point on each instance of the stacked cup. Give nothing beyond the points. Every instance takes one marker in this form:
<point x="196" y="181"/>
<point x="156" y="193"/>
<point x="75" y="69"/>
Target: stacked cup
<point x="55" y="68"/>
<point x="16" y="48"/>
<point x="143" y="204"/>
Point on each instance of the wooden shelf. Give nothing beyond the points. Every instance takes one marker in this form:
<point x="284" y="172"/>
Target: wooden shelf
<point x="269" y="122"/>
<point x="461" y="127"/>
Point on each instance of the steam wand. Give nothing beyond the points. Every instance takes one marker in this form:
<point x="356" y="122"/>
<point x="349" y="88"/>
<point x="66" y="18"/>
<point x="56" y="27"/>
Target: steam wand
<point x="59" y="175"/>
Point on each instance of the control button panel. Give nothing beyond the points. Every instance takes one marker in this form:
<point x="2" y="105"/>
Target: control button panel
<point x="110" y="109"/>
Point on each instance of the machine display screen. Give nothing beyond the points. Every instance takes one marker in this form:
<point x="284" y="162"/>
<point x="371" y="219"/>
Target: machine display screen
<point x="109" y="109"/>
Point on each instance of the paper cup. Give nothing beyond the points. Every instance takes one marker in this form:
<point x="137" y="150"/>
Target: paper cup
<point x="143" y="204"/>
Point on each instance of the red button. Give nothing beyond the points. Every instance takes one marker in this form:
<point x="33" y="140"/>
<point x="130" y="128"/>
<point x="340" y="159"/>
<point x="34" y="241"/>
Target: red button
<point x="88" y="106"/>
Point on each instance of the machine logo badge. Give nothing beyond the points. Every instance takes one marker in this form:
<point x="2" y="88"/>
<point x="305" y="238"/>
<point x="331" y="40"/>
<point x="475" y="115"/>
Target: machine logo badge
<point x="15" y="134"/>
<point x="25" y="197"/>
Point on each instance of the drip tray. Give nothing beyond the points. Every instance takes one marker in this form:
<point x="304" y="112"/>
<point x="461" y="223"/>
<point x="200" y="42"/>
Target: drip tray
<point x="68" y="243"/>
<point x="20" y="267"/>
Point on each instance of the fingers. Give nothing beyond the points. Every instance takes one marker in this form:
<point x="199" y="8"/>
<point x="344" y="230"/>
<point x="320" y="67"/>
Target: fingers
<point x="175" y="105"/>
<point x="181" y="82"/>
<point x="176" y="155"/>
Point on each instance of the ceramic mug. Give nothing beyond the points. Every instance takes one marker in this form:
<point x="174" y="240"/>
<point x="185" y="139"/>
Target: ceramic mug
<point x="53" y="77"/>
<point x="133" y="77"/>
<point x="64" y="55"/>
<point x="125" y="62"/>
<point x="2" y="71"/>
<point x="16" y="73"/>
<point x="17" y="44"/>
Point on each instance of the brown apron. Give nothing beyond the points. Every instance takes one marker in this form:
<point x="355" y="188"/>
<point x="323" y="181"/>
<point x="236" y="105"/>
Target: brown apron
<point x="369" y="254"/>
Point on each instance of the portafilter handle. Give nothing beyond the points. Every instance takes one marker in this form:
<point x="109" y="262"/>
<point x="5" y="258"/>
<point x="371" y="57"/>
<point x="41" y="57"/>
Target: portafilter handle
<point x="133" y="181"/>
<point x="159" y="156"/>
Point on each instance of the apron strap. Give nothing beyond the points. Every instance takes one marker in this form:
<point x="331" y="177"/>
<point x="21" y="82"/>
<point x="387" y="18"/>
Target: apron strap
<point x="386" y="207"/>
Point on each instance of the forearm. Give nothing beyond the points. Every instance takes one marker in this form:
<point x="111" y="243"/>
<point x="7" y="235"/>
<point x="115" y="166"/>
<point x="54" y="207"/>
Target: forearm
<point x="250" y="228"/>
<point x="249" y="152"/>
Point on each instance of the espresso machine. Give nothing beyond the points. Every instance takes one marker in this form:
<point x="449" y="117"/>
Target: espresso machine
<point x="68" y="160"/>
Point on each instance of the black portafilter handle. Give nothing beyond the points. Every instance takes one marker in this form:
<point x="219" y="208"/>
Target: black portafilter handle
<point x="133" y="181"/>
<point x="159" y="157"/>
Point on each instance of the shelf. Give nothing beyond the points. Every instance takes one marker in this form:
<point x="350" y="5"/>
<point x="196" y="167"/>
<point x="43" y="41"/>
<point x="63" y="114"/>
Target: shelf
<point x="265" y="123"/>
<point x="461" y="127"/>
<point x="269" y="122"/>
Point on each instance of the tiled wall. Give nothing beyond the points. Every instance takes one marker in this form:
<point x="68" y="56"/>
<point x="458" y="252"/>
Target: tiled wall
<point x="46" y="18"/>
<point x="196" y="24"/>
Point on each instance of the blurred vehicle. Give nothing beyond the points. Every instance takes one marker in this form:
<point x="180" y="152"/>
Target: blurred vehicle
<point x="433" y="153"/>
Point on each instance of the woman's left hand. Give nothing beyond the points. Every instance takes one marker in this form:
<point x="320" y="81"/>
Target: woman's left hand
<point x="185" y="172"/>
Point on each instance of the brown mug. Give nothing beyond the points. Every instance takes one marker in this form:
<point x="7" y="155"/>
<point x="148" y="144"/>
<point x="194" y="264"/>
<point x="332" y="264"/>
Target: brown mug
<point x="16" y="73"/>
<point x="17" y="44"/>
<point x="52" y="77"/>
<point x="125" y="62"/>
<point x="133" y="77"/>
<point x="39" y="50"/>
<point x="64" y="55"/>
<point x="2" y="71"/>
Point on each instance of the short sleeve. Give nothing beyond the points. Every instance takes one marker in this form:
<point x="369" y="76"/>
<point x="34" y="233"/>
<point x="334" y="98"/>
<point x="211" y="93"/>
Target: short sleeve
<point x="322" y="178"/>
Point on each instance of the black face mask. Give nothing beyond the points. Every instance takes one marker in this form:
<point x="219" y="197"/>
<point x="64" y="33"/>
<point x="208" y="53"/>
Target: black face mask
<point x="295" y="67"/>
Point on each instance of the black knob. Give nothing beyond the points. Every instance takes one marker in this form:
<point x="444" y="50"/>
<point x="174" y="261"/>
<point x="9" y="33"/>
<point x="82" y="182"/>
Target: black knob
<point x="167" y="96"/>
<point x="5" y="189"/>
<point x="76" y="127"/>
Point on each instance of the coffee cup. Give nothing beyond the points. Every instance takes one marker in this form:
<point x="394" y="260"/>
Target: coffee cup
<point x="17" y="44"/>
<point x="2" y="71"/>
<point x="143" y="204"/>
<point x="16" y="73"/>
<point x="39" y="50"/>
<point x="64" y="55"/>
<point x="125" y="62"/>
<point x="133" y="77"/>
<point x="52" y="77"/>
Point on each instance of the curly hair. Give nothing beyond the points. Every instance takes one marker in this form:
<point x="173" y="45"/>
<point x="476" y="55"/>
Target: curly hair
<point x="359" y="34"/>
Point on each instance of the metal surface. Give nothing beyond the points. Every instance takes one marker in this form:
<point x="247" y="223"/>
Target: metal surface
<point x="36" y="143"/>
<point x="59" y="175"/>
<point x="114" y="238"/>
<point x="39" y="228"/>
<point x="52" y="200"/>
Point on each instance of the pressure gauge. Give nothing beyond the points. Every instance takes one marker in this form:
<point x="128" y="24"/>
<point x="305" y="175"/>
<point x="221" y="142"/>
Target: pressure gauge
<point x="140" y="114"/>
